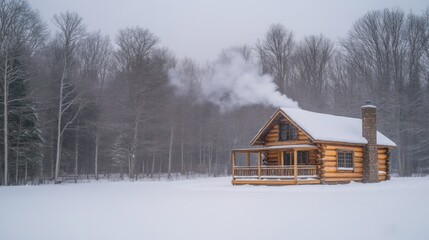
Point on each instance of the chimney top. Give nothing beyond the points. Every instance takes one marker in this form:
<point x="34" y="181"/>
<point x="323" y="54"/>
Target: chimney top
<point x="368" y="105"/>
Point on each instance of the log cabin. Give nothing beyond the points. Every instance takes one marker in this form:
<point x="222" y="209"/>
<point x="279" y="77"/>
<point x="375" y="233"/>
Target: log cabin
<point x="296" y="146"/>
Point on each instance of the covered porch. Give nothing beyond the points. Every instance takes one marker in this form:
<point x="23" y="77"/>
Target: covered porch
<point x="290" y="165"/>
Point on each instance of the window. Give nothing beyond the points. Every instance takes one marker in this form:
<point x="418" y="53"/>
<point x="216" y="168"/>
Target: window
<point x="345" y="160"/>
<point x="287" y="131"/>
<point x="288" y="158"/>
<point x="303" y="158"/>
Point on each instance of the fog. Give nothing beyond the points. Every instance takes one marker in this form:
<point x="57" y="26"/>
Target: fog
<point x="200" y="29"/>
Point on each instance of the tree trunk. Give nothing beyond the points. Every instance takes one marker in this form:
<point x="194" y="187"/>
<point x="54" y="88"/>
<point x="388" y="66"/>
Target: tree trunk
<point x="170" y="152"/>
<point x="42" y="177"/>
<point x="26" y="171"/>
<point x="142" y="168"/>
<point x="96" y="154"/>
<point x="76" y="153"/>
<point x="60" y="115"/>
<point x="210" y="158"/>
<point x="201" y="146"/>
<point x="5" y="124"/>
<point x="153" y="165"/>
<point x="216" y="163"/>
<point x="134" y="148"/>
<point x="182" y="159"/>
<point x="16" y="169"/>
<point x="160" y="168"/>
<point x="18" y="152"/>
<point x="122" y="172"/>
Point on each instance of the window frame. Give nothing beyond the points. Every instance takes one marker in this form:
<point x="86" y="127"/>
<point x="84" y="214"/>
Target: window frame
<point x="344" y="153"/>
<point x="290" y="154"/>
<point x="291" y="132"/>
<point x="302" y="154"/>
<point x="299" y="154"/>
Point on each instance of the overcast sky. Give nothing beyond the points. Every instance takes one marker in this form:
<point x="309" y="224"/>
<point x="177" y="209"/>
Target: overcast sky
<point x="200" y="29"/>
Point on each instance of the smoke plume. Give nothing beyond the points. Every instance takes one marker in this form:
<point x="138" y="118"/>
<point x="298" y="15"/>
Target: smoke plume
<point x="232" y="84"/>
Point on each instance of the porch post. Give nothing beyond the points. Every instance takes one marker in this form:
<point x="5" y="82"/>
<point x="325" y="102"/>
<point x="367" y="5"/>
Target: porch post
<point x="295" y="165"/>
<point x="259" y="164"/>
<point x="248" y="159"/>
<point x="233" y="164"/>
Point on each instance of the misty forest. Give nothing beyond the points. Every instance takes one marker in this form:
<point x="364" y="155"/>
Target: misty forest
<point x="84" y="105"/>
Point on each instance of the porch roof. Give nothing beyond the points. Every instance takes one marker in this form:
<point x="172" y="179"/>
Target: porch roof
<point x="283" y="147"/>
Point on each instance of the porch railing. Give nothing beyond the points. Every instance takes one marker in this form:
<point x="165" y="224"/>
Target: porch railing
<point x="274" y="171"/>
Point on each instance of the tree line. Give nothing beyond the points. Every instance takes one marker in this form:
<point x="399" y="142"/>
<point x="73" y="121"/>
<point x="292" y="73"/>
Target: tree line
<point x="78" y="104"/>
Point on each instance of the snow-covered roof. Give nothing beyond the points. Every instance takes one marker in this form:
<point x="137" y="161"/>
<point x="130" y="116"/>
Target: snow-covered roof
<point x="327" y="127"/>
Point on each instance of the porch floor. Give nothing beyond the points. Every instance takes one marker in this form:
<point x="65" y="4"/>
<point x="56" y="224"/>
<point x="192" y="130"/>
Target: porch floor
<point x="275" y="181"/>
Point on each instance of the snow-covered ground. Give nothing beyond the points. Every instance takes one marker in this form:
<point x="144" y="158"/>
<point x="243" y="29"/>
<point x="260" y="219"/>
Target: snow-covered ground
<point x="212" y="208"/>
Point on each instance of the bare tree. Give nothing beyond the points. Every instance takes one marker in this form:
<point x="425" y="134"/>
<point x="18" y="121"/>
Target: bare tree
<point x="385" y="51"/>
<point x="244" y="51"/>
<point x="275" y="51"/>
<point x="312" y="61"/>
<point x="133" y="59"/>
<point x="71" y="30"/>
<point x="21" y="32"/>
<point x="95" y="56"/>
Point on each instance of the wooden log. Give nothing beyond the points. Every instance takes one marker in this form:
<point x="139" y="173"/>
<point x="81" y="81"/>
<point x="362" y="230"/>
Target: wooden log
<point x="330" y="153"/>
<point x="342" y="179"/>
<point x="350" y="148"/>
<point x="382" y="156"/>
<point x="358" y="154"/>
<point x="330" y="164"/>
<point x="382" y="151"/>
<point x="382" y="162"/>
<point x="288" y="142"/>
<point x="330" y="169"/>
<point x="382" y="168"/>
<point x="358" y="170"/>
<point x="358" y="165"/>
<point x="358" y="160"/>
<point x="343" y="175"/>
<point x="271" y="139"/>
<point x="330" y="158"/>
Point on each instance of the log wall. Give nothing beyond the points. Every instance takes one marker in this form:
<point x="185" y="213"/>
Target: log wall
<point x="272" y="137"/>
<point x="328" y="168"/>
<point x="383" y="164"/>
<point x="329" y="172"/>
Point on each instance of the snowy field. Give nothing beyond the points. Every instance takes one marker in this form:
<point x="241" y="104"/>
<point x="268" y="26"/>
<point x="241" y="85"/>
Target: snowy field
<point x="212" y="208"/>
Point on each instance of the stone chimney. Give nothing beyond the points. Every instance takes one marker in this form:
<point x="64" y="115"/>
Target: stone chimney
<point x="370" y="155"/>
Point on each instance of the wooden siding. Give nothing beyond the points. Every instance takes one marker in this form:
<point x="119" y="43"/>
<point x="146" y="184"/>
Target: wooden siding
<point x="383" y="163"/>
<point x="328" y="163"/>
<point x="329" y="169"/>
<point x="272" y="137"/>
<point x="273" y="158"/>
